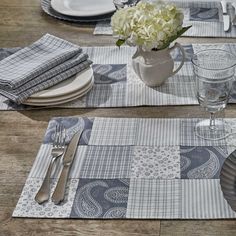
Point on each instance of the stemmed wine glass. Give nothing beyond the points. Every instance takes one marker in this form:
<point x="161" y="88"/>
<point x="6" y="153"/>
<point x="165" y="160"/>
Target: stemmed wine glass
<point x="214" y="72"/>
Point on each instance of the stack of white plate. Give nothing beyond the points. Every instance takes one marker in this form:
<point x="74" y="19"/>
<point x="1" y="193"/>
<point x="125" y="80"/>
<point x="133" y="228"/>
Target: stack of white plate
<point x="83" y="8"/>
<point x="68" y="90"/>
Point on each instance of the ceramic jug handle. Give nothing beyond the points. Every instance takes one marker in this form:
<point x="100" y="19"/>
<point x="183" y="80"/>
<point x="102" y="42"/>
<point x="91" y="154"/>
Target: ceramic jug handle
<point x="177" y="45"/>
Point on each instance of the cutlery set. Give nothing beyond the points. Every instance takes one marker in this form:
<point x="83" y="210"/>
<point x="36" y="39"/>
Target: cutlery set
<point x="227" y="18"/>
<point x="59" y="149"/>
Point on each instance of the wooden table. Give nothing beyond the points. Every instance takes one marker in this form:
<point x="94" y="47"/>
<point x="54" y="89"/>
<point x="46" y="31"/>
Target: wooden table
<point x="21" y="23"/>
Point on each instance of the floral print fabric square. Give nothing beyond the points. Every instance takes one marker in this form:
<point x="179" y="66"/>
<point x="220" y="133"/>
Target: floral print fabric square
<point x="156" y="162"/>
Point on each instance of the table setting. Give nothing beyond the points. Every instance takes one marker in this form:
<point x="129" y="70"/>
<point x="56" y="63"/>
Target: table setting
<point x="120" y="133"/>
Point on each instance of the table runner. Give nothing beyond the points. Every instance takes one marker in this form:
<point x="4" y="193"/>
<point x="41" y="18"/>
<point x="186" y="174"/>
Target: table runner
<point x="116" y="84"/>
<point x="136" y="169"/>
<point x="206" y="18"/>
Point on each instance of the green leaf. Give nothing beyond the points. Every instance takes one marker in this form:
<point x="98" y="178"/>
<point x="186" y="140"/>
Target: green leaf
<point x="119" y="42"/>
<point x="173" y="38"/>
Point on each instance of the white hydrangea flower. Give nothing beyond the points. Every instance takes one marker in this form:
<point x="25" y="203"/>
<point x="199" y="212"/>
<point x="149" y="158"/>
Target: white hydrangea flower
<point x="148" y="25"/>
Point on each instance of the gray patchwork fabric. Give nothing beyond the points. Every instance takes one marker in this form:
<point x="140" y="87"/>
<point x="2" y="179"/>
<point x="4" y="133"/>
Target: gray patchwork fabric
<point x="114" y="178"/>
<point x="96" y="198"/>
<point x="202" y="162"/>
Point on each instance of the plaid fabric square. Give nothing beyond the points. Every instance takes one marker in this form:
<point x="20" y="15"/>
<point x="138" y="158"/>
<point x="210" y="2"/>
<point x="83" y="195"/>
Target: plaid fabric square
<point x="107" y="95"/>
<point x="158" y="132"/>
<point x="156" y="162"/>
<point x="167" y="94"/>
<point x="152" y="198"/>
<point x="189" y="137"/>
<point x="101" y="198"/>
<point x="109" y="74"/>
<point x="202" y="162"/>
<point x="110" y="54"/>
<point x="113" y="131"/>
<point x="28" y="207"/>
<point x="203" y="199"/>
<point x="106" y="162"/>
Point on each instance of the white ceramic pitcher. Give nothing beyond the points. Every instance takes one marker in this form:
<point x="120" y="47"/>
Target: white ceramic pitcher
<point x="154" y="67"/>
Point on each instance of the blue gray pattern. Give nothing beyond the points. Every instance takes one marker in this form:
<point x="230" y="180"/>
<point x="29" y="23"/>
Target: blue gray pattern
<point x="72" y="125"/>
<point x="109" y="178"/>
<point x="100" y="199"/>
<point x="107" y="162"/>
<point x="109" y="74"/>
<point x="177" y="56"/>
<point x="201" y="162"/>
<point x="204" y="14"/>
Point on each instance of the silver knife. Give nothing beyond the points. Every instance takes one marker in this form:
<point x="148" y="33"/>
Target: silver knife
<point x="226" y="18"/>
<point x="59" y="192"/>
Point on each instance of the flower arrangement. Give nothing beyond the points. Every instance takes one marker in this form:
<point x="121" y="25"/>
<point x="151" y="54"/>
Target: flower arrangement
<point x="152" y="26"/>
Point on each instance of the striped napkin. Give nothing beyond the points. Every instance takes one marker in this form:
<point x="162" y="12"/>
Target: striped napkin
<point x="43" y="64"/>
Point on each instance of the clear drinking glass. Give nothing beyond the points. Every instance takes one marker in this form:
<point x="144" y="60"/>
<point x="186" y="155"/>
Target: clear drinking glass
<point x="214" y="72"/>
<point x="119" y="4"/>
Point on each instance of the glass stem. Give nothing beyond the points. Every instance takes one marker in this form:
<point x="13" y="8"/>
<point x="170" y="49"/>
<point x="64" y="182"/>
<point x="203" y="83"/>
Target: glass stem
<point x="212" y="121"/>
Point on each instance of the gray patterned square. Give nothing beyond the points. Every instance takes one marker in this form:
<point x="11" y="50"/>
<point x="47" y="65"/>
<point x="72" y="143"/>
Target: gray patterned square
<point x="28" y="207"/>
<point x="107" y="162"/>
<point x="107" y="95"/>
<point x="177" y="56"/>
<point x="156" y="162"/>
<point x="203" y="199"/>
<point x="114" y="131"/>
<point x="101" y="198"/>
<point x="189" y="137"/>
<point x="109" y="74"/>
<point x="204" y="14"/>
<point x="202" y="162"/>
<point x="158" y="132"/>
<point x="153" y="198"/>
<point x="72" y="125"/>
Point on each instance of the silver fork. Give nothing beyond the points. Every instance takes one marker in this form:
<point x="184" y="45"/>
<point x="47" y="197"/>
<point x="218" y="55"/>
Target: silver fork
<point x="58" y="148"/>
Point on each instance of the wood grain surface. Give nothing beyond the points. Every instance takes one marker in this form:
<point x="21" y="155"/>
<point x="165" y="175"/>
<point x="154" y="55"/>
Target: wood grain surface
<point x="21" y="133"/>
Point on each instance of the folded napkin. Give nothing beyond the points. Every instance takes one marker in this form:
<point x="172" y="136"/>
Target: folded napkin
<point x="43" y="64"/>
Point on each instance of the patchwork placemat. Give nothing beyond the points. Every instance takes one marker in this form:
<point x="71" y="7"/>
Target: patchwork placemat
<point x="116" y="84"/>
<point x="135" y="169"/>
<point x="206" y="18"/>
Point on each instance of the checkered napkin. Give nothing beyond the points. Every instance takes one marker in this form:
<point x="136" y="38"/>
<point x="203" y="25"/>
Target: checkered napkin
<point x="43" y="64"/>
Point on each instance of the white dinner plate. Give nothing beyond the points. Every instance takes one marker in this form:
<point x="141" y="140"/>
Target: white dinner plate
<point x="83" y="8"/>
<point x="60" y="100"/>
<point x="69" y="86"/>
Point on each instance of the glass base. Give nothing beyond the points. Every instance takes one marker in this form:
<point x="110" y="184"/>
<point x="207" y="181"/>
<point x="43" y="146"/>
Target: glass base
<point x="220" y="130"/>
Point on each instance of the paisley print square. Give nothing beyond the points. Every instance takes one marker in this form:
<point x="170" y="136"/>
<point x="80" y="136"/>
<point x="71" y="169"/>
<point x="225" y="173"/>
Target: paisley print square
<point x="106" y="162"/>
<point x="72" y="125"/>
<point x="202" y="162"/>
<point x="101" y="198"/>
<point x="156" y="162"/>
<point x="177" y="56"/>
<point x="109" y="74"/>
<point x="204" y="14"/>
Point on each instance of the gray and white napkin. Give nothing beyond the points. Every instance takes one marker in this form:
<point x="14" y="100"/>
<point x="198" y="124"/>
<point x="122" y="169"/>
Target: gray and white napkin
<point x="43" y="64"/>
